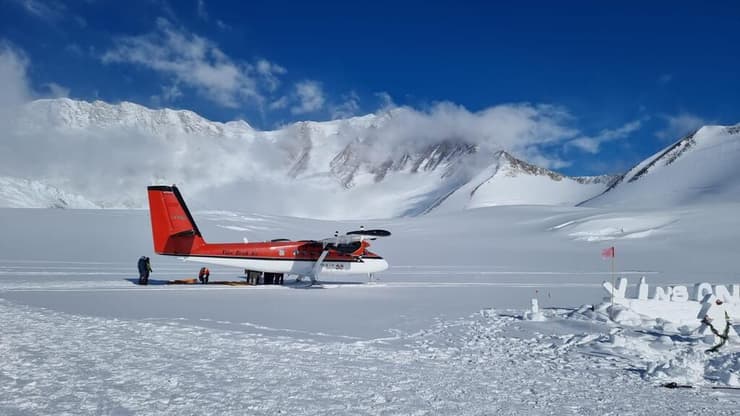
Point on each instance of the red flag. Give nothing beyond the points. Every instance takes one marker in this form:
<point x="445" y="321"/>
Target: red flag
<point x="608" y="253"/>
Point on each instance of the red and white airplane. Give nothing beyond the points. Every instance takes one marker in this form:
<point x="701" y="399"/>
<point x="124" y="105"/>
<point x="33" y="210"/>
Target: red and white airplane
<point x="175" y="234"/>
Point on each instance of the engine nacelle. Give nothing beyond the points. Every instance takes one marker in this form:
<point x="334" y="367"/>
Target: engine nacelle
<point x="355" y="248"/>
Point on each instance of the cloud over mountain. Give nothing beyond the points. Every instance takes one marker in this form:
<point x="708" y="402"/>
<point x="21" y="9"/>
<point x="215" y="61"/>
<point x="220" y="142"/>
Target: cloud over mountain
<point x="198" y="63"/>
<point x="398" y="160"/>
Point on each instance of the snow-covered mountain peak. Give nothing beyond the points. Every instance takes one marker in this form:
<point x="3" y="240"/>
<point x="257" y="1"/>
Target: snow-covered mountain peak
<point x="511" y="166"/>
<point x="73" y="114"/>
<point x="109" y="152"/>
<point x="703" y="138"/>
<point x="239" y="124"/>
<point x="392" y="163"/>
<point x="701" y="166"/>
<point x="512" y="181"/>
<point x="357" y="157"/>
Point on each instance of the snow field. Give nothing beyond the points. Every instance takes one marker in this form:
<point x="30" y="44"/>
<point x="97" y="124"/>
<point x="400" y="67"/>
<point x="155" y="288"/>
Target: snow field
<point x="485" y="363"/>
<point x="440" y="333"/>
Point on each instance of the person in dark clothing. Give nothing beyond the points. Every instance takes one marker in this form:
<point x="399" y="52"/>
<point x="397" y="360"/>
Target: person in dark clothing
<point x="203" y="275"/>
<point x="145" y="267"/>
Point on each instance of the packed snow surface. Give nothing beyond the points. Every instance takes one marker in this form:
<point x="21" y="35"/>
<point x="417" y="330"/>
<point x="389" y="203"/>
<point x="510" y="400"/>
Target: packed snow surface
<point x="441" y="332"/>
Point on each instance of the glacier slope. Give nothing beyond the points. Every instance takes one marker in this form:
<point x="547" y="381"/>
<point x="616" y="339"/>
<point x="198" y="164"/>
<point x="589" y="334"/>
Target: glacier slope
<point x="699" y="168"/>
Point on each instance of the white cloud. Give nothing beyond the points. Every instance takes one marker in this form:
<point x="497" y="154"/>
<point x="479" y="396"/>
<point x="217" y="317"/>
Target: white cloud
<point x="679" y="126"/>
<point x="45" y="10"/>
<point x="664" y="79"/>
<point x="74" y="49"/>
<point x="386" y="101"/>
<point x="80" y="21"/>
<point x="50" y="11"/>
<point x="591" y="144"/>
<point x="196" y="62"/>
<point x="223" y="25"/>
<point x="13" y="65"/>
<point x="280" y="103"/>
<point x="56" y="90"/>
<point x="270" y="72"/>
<point x="169" y="94"/>
<point x="519" y="128"/>
<point x="587" y="144"/>
<point x="348" y="108"/>
<point x="310" y="96"/>
<point x="538" y="159"/>
<point x="16" y="91"/>
<point x="201" y="10"/>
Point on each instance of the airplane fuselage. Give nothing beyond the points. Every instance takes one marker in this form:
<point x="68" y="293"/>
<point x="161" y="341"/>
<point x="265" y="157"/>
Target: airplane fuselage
<point x="290" y="257"/>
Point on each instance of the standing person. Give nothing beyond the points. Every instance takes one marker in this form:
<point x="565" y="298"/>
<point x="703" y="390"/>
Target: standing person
<point x="145" y="267"/>
<point x="203" y="275"/>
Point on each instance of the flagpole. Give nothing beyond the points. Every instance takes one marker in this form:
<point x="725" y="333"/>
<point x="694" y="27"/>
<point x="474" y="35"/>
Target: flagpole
<point x="613" y="282"/>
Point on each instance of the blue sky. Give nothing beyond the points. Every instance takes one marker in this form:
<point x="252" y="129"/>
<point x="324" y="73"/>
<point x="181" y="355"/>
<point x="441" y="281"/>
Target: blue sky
<point x="631" y="76"/>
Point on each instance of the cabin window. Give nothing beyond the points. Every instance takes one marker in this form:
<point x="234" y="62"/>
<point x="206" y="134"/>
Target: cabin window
<point x="281" y="252"/>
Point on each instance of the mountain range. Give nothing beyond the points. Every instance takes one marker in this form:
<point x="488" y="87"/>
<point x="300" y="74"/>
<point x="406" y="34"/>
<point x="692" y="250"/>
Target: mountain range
<point x="76" y="154"/>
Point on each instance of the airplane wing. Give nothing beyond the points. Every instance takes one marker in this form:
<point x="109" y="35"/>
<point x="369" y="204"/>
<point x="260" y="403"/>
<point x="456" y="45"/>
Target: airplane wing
<point x="355" y="236"/>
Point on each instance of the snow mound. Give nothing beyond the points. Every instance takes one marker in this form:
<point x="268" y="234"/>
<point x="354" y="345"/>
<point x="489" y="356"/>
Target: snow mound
<point x="607" y="227"/>
<point x="625" y="316"/>
<point x="663" y="352"/>
<point x="686" y="367"/>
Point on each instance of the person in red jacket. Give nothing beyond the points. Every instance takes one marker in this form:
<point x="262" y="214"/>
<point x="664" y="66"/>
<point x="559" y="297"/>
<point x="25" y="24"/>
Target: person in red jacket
<point x="203" y="275"/>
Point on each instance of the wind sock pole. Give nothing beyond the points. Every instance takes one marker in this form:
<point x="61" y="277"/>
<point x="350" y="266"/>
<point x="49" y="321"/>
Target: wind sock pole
<point x="614" y="254"/>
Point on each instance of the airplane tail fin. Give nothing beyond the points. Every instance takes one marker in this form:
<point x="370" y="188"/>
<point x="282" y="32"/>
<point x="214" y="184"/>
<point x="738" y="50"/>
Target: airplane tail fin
<point x="173" y="229"/>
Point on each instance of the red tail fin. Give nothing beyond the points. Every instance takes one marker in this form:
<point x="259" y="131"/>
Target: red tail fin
<point x="173" y="228"/>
